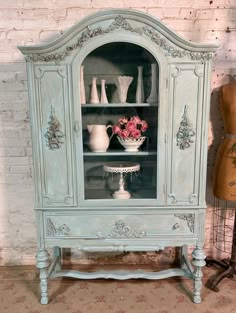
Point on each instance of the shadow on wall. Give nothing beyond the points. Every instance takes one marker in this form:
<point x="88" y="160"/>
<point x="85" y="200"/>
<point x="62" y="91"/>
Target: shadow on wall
<point x="17" y="230"/>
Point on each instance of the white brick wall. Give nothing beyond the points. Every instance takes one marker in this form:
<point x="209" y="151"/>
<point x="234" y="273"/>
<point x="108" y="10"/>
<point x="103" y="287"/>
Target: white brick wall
<point x="24" y="22"/>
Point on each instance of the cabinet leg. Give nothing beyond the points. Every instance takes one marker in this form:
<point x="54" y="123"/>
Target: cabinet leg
<point x="198" y="262"/>
<point x="42" y="263"/>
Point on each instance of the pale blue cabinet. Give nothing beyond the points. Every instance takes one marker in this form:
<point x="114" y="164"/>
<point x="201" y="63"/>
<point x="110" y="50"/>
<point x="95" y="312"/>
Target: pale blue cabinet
<point x="111" y="199"/>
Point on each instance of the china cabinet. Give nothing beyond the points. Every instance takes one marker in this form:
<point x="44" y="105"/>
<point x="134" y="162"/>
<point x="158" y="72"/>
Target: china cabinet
<point x="76" y="182"/>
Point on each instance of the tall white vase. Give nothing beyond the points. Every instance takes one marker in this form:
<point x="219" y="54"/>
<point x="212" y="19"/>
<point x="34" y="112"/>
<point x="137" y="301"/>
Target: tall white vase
<point x="153" y="97"/>
<point x="122" y="84"/>
<point x="82" y="88"/>
<point x="140" y="88"/>
<point x="103" y="92"/>
<point x="94" y="92"/>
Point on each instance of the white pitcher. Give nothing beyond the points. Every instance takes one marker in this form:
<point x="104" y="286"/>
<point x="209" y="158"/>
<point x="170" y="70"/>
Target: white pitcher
<point x="98" y="140"/>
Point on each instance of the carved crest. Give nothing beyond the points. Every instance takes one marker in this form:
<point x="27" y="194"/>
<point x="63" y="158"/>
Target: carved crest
<point x="121" y="22"/>
<point x="121" y="230"/>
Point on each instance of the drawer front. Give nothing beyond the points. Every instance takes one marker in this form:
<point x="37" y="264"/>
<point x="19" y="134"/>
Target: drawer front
<point x="118" y="226"/>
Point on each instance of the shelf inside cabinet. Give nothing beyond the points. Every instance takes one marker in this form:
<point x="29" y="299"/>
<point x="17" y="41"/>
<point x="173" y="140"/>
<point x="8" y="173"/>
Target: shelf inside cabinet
<point x="114" y="105"/>
<point x="119" y="153"/>
<point x="144" y="194"/>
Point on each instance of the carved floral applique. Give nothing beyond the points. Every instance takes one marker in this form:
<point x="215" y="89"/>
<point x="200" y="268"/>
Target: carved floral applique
<point x="185" y="132"/>
<point x="54" y="135"/>
<point x="121" y="230"/>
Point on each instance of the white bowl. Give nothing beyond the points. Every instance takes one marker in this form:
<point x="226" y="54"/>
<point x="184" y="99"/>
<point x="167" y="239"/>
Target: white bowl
<point x="131" y="144"/>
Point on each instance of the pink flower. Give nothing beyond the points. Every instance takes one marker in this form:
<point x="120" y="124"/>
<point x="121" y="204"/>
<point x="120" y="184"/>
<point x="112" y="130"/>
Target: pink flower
<point x="136" y="133"/>
<point x="136" y="119"/>
<point x="124" y="133"/>
<point x="144" y="126"/>
<point x="116" y="129"/>
<point x="130" y="126"/>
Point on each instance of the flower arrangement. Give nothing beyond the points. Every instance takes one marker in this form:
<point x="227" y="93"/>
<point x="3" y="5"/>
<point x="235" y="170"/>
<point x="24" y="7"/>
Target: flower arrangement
<point x="130" y="127"/>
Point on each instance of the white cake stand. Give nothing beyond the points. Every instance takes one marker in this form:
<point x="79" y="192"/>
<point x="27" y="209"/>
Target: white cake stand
<point x="121" y="167"/>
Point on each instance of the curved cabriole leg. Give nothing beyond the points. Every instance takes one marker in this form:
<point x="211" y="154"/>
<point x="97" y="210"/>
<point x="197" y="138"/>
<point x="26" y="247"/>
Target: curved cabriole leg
<point x="198" y="262"/>
<point x="42" y="263"/>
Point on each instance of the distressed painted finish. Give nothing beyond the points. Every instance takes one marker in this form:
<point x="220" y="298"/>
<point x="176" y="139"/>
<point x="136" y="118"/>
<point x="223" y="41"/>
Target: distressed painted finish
<point x="173" y="215"/>
<point x="107" y="225"/>
<point x="186" y="98"/>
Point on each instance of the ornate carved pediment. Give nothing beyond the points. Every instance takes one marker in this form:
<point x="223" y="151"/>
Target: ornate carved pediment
<point x="120" y="22"/>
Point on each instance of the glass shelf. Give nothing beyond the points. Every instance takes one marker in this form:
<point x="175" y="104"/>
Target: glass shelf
<point x="94" y="194"/>
<point x="111" y="105"/>
<point x="119" y="153"/>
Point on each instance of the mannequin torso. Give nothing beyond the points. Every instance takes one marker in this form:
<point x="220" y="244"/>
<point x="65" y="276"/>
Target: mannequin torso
<point x="224" y="182"/>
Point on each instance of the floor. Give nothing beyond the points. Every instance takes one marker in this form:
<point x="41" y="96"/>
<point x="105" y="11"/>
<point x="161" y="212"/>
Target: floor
<point x="19" y="293"/>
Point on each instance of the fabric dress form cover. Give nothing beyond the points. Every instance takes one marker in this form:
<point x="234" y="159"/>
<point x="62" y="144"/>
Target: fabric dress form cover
<point x="224" y="181"/>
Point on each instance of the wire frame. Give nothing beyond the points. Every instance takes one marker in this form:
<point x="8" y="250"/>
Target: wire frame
<point x="223" y="221"/>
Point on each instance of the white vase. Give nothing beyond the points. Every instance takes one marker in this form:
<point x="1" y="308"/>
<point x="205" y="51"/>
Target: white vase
<point x="153" y="97"/>
<point x="122" y="84"/>
<point x="103" y="92"/>
<point x="82" y="88"/>
<point x="140" y="88"/>
<point x="94" y="92"/>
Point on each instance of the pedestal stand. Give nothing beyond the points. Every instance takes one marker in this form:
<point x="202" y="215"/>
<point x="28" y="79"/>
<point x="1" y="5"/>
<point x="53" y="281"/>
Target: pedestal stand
<point x="121" y="167"/>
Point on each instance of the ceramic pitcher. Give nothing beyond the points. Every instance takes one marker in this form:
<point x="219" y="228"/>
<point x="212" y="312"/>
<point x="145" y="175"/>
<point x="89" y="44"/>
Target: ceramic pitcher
<point x="98" y="137"/>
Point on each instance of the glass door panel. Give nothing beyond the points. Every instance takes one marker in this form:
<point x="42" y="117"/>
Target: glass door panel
<point x="134" y="170"/>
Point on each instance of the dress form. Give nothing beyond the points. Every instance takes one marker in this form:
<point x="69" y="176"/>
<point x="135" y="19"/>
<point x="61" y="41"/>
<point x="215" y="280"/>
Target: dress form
<point x="224" y="181"/>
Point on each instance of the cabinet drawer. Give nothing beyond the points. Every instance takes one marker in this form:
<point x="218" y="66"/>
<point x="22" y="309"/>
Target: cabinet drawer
<point x="118" y="226"/>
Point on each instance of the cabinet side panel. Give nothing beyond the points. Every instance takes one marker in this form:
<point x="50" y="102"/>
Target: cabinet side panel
<point x="55" y="138"/>
<point x="185" y="120"/>
<point x="34" y="132"/>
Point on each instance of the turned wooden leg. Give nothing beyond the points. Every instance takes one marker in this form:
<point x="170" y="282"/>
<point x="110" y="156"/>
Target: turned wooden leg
<point x="198" y="262"/>
<point x="42" y="263"/>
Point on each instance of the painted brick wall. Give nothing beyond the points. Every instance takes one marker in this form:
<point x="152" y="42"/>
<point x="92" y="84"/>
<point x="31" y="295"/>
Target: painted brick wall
<point x="25" y="22"/>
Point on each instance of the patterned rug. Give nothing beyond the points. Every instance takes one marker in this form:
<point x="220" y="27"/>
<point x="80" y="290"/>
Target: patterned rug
<point x="19" y="293"/>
